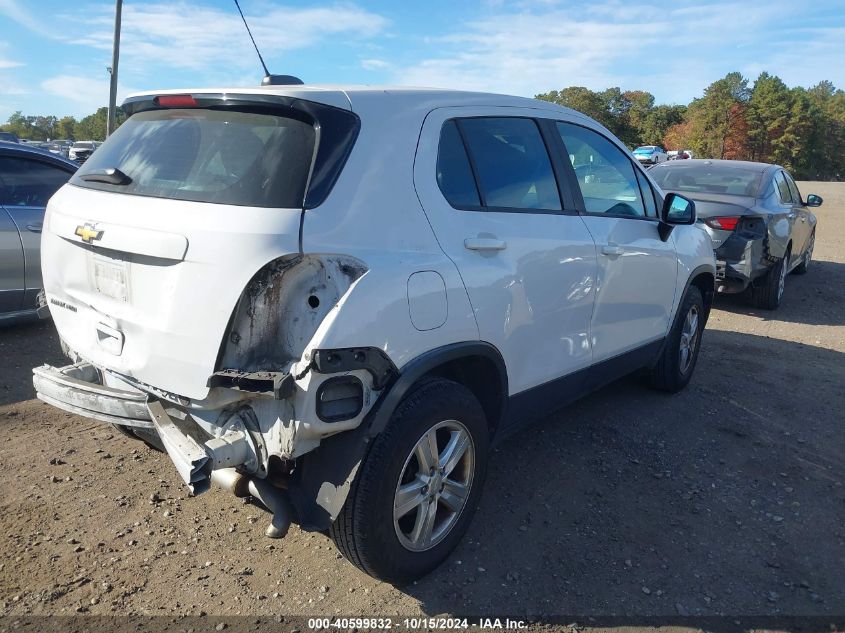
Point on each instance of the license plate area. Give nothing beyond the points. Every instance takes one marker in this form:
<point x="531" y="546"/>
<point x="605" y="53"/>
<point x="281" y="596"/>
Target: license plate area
<point x="110" y="277"/>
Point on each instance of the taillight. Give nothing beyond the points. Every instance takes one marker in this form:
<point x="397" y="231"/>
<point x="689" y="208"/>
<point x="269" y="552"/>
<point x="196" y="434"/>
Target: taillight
<point x="726" y="223"/>
<point x="175" y="101"/>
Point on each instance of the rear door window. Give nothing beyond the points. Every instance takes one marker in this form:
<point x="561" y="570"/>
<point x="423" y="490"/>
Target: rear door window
<point x="246" y="158"/>
<point x="29" y="183"/>
<point x="454" y="173"/>
<point x="782" y="188"/>
<point x="793" y="189"/>
<point x="511" y="163"/>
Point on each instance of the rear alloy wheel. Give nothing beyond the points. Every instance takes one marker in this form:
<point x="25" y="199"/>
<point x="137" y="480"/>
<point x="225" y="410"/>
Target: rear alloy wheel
<point x="767" y="292"/>
<point x="419" y="485"/>
<point x="677" y="361"/>
<point x="434" y="486"/>
<point x="801" y="268"/>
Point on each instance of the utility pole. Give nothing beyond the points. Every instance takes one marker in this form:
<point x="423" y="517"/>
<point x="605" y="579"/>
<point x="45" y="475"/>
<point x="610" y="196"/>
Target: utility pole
<point x="110" y="125"/>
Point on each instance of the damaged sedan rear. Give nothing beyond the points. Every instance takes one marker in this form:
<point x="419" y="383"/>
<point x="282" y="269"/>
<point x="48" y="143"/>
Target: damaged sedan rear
<point x="761" y="227"/>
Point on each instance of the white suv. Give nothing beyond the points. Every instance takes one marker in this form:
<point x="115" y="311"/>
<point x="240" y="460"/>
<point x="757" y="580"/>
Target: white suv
<point x="334" y="301"/>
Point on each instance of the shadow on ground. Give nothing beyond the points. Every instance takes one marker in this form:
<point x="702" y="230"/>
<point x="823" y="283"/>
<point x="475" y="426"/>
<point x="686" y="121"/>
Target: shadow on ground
<point x="724" y="499"/>
<point x="816" y="298"/>
<point x="23" y="347"/>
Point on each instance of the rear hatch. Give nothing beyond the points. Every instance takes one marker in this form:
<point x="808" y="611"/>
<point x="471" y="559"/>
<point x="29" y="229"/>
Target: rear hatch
<point x="148" y="249"/>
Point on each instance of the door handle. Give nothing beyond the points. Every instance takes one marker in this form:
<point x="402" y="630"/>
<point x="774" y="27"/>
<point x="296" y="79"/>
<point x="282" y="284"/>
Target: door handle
<point x="36" y="227"/>
<point x="611" y="250"/>
<point x="485" y="244"/>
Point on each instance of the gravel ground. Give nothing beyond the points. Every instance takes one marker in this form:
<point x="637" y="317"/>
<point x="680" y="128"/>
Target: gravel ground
<point x="726" y="499"/>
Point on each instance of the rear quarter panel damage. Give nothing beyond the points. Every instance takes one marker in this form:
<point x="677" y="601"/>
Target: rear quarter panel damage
<point x="282" y="308"/>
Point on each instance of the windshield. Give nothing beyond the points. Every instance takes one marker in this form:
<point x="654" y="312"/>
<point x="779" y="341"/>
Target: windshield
<point x="644" y="150"/>
<point x="81" y="145"/>
<point x="221" y="156"/>
<point x="724" y="179"/>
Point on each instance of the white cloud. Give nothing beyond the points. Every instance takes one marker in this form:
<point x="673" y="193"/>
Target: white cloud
<point x="671" y="49"/>
<point x="6" y="61"/>
<point x="375" y="64"/>
<point x="16" y="12"/>
<point x="523" y="53"/>
<point x="84" y="93"/>
<point x="192" y="36"/>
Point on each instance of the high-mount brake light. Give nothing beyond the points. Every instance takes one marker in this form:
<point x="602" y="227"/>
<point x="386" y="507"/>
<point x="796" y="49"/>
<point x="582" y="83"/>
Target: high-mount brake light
<point x="727" y="223"/>
<point x="176" y="101"/>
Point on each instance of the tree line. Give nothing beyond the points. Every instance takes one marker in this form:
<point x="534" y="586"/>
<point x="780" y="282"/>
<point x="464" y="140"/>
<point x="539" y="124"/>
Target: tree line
<point x="49" y="128"/>
<point x="801" y="129"/>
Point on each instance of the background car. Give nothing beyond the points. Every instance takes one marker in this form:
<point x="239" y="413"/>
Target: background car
<point x="81" y="150"/>
<point x="60" y="148"/>
<point x="760" y="226"/>
<point x="679" y="154"/>
<point x="650" y="154"/>
<point x="8" y="137"/>
<point x="28" y="178"/>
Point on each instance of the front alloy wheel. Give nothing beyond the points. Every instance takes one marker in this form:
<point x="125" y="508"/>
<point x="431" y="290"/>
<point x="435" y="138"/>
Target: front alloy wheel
<point x="689" y="339"/>
<point x="674" y="367"/>
<point x="434" y="486"/>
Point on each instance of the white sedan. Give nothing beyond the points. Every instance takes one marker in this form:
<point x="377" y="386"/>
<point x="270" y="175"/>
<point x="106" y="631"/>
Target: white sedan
<point x="650" y="154"/>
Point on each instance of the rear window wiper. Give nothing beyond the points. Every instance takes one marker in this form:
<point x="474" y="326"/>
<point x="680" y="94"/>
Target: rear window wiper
<point x="111" y="176"/>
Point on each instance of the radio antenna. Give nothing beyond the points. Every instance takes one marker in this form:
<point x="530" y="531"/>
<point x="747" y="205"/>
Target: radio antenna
<point x="261" y="59"/>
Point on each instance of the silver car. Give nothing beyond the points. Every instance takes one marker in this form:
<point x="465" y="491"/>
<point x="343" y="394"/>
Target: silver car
<point x="761" y="227"/>
<point x="28" y="178"/>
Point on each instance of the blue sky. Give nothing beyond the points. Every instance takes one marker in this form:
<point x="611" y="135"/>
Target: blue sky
<point x="54" y="53"/>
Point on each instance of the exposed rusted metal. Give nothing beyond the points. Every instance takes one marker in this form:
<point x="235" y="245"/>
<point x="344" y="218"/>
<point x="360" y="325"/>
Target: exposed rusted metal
<point x="281" y="309"/>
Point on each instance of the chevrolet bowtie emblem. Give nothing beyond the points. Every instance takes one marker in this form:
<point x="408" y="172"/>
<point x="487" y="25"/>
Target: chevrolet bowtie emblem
<point x="88" y="233"/>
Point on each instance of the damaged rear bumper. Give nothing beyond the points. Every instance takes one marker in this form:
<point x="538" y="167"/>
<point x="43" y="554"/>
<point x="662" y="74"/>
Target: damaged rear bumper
<point x="739" y="262"/>
<point x="78" y="389"/>
<point x="199" y="458"/>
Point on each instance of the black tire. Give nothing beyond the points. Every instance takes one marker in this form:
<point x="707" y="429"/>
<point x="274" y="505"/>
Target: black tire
<point x="801" y="269"/>
<point x="767" y="292"/>
<point x="364" y="531"/>
<point x="672" y="372"/>
<point x="147" y="436"/>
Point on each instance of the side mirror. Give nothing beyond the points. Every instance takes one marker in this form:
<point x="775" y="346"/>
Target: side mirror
<point x="677" y="210"/>
<point x="814" y="201"/>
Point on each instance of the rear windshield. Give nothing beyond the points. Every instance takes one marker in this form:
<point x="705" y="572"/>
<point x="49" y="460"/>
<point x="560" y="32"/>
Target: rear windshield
<point x="726" y="179"/>
<point x="644" y="150"/>
<point x="233" y="157"/>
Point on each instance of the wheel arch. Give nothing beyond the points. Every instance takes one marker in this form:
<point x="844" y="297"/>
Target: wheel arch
<point x="324" y="476"/>
<point x="704" y="279"/>
<point x="477" y="365"/>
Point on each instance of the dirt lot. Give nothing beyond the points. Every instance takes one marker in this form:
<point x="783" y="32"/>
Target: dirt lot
<point x="725" y="499"/>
